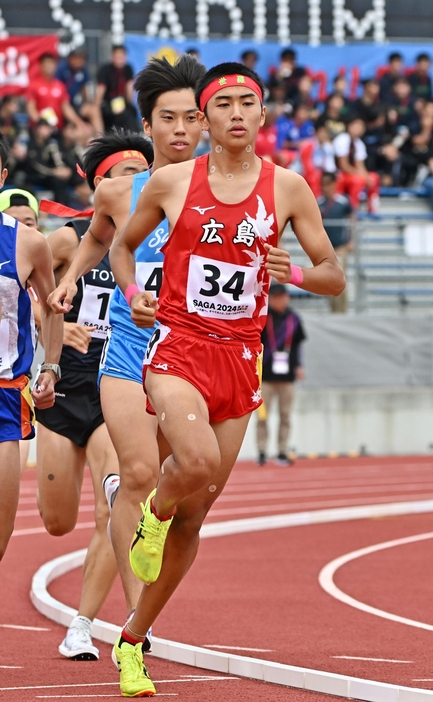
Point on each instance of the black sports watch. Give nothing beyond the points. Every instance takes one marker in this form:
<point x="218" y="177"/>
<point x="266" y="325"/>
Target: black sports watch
<point x="52" y="367"/>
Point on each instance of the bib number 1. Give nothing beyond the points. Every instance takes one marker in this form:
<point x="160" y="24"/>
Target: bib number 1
<point x="94" y="310"/>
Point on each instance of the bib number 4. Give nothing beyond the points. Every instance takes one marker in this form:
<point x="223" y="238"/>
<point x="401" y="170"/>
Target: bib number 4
<point x="149" y="277"/>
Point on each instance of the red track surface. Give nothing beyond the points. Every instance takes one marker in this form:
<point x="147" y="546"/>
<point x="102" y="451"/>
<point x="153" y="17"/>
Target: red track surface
<point x="233" y="597"/>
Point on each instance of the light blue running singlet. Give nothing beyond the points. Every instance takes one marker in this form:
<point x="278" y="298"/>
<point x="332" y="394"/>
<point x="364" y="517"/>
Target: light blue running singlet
<point x="149" y="259"/>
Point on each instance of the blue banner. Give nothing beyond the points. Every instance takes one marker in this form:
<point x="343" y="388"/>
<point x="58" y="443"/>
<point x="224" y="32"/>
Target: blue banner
<point x="358" y="61"/>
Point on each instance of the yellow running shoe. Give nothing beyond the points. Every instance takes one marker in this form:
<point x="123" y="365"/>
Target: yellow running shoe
<point x="147" y="547"/>
<point x="134" y="680"/>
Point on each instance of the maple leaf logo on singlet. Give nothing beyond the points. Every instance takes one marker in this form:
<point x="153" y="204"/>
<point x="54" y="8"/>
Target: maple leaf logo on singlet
<point x="257" y="259"/>
<point x="258" y="288"/>
<point x="262" y="223"/>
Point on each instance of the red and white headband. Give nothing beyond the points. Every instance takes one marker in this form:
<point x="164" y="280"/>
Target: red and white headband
<point x="232" y="80"/>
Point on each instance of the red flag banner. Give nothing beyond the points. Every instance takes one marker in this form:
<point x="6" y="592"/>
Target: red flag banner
<point x="19" y="61"/>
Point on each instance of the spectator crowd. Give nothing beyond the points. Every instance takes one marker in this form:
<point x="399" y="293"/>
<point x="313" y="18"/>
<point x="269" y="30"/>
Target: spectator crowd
<point x="382" y="137"/>
<point x="49" y="128"/>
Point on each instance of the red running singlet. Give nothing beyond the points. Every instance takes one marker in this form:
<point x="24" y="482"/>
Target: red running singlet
<point x="215" y="280"/>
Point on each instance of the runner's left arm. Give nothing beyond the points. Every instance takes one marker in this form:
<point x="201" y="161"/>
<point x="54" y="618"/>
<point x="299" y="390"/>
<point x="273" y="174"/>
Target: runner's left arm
<point x="326" y="276"/>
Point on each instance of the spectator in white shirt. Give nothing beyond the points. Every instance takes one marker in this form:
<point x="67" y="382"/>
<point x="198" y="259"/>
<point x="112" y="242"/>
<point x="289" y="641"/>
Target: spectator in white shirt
<point x="316" y="156"/>
<point x="353" y="177"/>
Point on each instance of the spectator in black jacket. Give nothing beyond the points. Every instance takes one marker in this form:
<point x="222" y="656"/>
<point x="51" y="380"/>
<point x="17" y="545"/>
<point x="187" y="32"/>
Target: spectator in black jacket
<point x="394" y="71"/>
<point x="45" y="166"/>
<point x="114" y="92"/>
<point x="420" y="80"/>
<point x="282" y="365"/>
<point x="288" y="74"/>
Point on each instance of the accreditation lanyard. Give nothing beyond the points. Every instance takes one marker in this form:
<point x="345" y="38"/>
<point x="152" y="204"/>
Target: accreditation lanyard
<point x="271" y="333"/>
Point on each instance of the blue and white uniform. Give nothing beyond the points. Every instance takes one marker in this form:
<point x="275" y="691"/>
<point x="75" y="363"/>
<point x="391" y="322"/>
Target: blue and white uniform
<point x="126" y="344"/>
<point x="17" y="340"/>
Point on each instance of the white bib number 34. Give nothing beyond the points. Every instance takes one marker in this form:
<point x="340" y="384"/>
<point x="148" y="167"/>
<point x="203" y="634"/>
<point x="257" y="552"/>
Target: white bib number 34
<point x="220" y="290"/>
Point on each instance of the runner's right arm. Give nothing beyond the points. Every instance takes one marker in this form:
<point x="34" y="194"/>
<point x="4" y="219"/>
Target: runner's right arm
<point x="91" y="250"/>
<point x="145" y="218"/>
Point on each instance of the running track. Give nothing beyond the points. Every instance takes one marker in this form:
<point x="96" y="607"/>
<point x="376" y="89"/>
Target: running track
<point x="234" y="599"/>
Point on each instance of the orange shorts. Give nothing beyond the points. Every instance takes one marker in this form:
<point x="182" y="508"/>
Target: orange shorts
<point x="225" y="372"/>
<point x="16" y="410"/>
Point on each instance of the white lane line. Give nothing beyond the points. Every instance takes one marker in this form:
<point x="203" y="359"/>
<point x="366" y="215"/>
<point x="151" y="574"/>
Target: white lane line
<point x="294" y="493"/>
<point x="230" y="663"/>
<point x="376" y="660"/>
<point x="319" y="484"/>
<point x="41" y="530"/>
<point x="240" y="648"/>
<point x="282" y="507"/>
<point x="56" y="687"/>
<point x="183" y="679"/>
<point x="24" y="628"/>
<point x="32" y="500"/>
<point x="35" y="512"/>
<point x="11" y="667"/>
<point x="333" y="471"/>
<point x="326" y="579"/>
<point x="77" y="697"/>
<point x="313" y="505"/>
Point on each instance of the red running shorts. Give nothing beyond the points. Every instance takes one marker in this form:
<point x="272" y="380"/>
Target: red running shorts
<point x="225" y="372"/>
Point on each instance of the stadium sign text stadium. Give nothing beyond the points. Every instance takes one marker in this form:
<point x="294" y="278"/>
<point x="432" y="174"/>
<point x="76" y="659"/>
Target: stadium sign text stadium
<point x="258" y="19"/>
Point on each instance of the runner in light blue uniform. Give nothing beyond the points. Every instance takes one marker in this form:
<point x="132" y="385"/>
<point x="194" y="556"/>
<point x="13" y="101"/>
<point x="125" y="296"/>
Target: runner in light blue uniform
<point x="126" y="344"/>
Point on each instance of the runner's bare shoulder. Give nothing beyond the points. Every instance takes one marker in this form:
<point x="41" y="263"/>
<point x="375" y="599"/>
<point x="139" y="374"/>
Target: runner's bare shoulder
<point x="63" y="243"/>
<point x="32" y="250"/>
<point x="292" y="193"/>
<point x="174" y="174"/>
<point x="111" y="192"/>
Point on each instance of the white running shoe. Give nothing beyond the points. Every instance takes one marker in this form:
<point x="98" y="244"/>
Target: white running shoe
<point x="110" y="485"/>
<point x="78" y="644"/>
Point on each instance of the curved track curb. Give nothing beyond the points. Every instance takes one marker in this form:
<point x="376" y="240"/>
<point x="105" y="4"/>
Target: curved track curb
<point x="242" y="666"/>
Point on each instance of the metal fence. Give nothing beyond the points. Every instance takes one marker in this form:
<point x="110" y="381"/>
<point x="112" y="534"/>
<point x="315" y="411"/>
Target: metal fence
<point x="390" y="266"/>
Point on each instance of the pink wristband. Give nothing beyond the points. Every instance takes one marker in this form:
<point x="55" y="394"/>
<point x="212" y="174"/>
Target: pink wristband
<point x="297" y="275"/>
<point x="131" y="290"/>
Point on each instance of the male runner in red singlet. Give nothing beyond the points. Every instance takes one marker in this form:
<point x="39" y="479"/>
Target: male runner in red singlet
<point x="201" y="367"/>
<point x="166" y="99"/>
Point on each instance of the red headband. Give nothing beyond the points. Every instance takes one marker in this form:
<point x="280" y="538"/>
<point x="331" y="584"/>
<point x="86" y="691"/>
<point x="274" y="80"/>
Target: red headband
<point x="119" y="156"/>
<point x="233" y="80"/>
